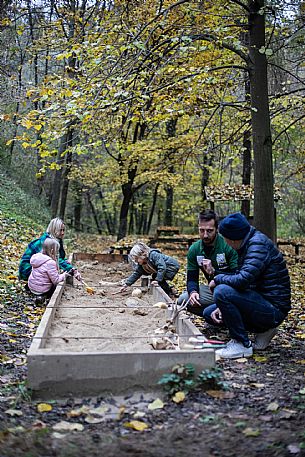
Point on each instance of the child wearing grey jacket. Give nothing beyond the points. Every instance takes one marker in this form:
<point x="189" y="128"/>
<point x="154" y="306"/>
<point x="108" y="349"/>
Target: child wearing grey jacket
<point x="152" y="262"/>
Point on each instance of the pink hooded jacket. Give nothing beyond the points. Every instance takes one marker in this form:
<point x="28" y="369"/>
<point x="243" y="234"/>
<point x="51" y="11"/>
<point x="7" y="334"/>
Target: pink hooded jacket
<point x="44" y="273"/>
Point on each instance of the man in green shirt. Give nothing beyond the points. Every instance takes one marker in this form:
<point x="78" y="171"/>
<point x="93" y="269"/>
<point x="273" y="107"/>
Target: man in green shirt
<point x="212" y="255"/>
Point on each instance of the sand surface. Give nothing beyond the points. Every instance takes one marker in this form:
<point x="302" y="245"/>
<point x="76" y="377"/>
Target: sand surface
<point x="104" y="321"/>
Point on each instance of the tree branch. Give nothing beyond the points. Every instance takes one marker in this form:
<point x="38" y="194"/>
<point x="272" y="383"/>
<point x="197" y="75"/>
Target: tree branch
<point x="287" y="128"/>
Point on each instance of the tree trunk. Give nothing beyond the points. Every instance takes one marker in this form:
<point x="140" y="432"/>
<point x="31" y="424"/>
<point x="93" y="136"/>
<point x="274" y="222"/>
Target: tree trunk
<point x="110" y="222"/>
<point x="168" y="217"/>
<point x="264" y="214"/>
<point x="94" y="213"/>
<point x="246" y="178"/>
<point x="207" y="161"/>
<point x="127" y="196"/>
<point x="65" y="180"/>
<point x="77" y="210"/>
<point x="152" y="210"/>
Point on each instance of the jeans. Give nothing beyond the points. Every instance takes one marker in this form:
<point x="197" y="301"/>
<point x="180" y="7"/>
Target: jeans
<point x="243" y="311"/>
<point x="206" y="298"/>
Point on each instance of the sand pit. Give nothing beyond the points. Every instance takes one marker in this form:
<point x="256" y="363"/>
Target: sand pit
<point x="106" y="321"/>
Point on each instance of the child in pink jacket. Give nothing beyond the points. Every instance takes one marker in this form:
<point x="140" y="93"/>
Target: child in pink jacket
<point x="45" y="271"/>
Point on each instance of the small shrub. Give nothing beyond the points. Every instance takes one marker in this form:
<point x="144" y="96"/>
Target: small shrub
<point x="182" y="378"/>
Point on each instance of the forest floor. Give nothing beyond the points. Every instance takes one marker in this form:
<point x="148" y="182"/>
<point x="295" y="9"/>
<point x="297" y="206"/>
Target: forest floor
<point x="261" y="413"/>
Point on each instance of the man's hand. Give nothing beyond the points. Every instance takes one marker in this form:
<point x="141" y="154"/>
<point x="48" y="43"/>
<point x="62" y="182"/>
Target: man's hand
<point x="212" y="285"/>
<point x="123" y="288"/>
<point x="216" y="316"/>
<point x="207" y="267"/>
<point x="194" y="298"/>
<point x="154" y="283"/>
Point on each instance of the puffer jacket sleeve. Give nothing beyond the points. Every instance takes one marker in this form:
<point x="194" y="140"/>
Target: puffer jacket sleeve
<point x="156" y="258"/>
<point x="254" y="262"/>
<point x="135" y="275"/>
<point x="32" y="248"/>
<point x="53" y="274"/>
<point x="63" y="262"/>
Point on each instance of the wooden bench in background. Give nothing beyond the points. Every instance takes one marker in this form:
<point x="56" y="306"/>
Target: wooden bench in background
<point x="167" y="231"/>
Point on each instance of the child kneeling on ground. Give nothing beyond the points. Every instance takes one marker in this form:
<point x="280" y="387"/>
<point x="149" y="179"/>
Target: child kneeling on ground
<point x="152" y="262"/>
<point x="45" y="271"/>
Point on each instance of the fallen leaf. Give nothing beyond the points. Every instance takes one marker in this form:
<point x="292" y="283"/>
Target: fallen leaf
<point x="136" y="425"/>
<point x="121" y="412"/>
<point x="38" y="425"/>
<point x="68" y="427"/>
<point x="260" y="358"/>
<point x="14" y="412"/>
<point x="93" y="420"/>
<point x="79" y="411"/>
<point x="139" y="414"/>
<point x="273" y="406"/>
<point x="251" y="431"/>
<point x="16" y="430"/>
<point x="302" y="391"/>
<point x="222" y="394"/>
<point x="257" y="385"/>
<point x="266" y="418"/>
<point x="58" y="435"/>
<point x="156" y="404"/>
<point x="44" y="407"/>
<point x="293" y="448"/>
<point x="99" y="411"/>
<point x="179" y="397"/>
<point x="241" y="360"/>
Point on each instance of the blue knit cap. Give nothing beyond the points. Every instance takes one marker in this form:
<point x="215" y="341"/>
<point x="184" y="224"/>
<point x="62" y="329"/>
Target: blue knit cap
<point x="234" y="227"/>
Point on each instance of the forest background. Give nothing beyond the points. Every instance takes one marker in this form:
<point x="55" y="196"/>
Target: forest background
<point x="122" y="116"/>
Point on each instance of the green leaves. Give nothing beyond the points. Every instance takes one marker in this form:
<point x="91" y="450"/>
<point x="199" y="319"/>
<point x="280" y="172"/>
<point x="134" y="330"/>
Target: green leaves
<point x="183" y="379"/>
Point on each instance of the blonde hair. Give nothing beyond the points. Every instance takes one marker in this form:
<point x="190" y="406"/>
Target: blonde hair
<point x="54" y="227"/>
<point x="139" y="250"/>
<point x="50" y="247"/>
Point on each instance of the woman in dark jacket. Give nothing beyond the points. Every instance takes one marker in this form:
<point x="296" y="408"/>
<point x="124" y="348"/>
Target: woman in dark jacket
<point x="257" y="297"/>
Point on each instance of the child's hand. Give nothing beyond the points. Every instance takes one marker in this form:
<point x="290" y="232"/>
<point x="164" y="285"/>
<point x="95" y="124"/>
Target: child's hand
<point x="77" y="275"/>
<point x="154" y="283"/>
<point x="123" y="288"/>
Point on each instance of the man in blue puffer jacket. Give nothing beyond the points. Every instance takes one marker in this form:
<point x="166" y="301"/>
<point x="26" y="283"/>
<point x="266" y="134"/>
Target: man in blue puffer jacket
<point x="256" y="297"/>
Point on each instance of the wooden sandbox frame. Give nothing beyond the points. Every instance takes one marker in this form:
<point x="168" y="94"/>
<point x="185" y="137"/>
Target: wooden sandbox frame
<point x="70" y="373"/>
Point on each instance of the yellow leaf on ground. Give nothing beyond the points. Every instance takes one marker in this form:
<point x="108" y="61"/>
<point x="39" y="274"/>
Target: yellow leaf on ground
<point x="260" y="358"/>
<point x="251" y="431"/>
<point x="136" y="425"/>
<point x="156" y="404"/>
<point x="79" y="411"/>
<point x="178" y="397"/>
<point x="44" y="407"/>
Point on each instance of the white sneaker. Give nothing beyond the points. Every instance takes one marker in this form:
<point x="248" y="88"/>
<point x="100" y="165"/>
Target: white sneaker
<point x="234" y="350"/>
<point x="262" y="340"/>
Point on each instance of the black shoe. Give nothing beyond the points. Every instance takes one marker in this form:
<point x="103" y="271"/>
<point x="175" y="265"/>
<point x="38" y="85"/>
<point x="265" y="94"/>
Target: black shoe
<point x="39" y="300"/>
